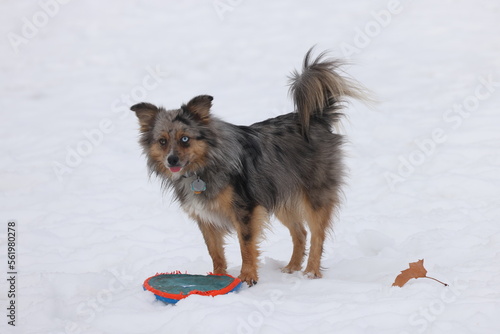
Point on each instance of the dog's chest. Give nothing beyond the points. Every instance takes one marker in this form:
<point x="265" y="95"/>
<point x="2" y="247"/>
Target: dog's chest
<point x="206" y="211"/>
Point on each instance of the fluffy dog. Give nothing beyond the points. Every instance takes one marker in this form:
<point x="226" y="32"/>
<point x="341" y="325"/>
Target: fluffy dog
<point x="232" y="178"/>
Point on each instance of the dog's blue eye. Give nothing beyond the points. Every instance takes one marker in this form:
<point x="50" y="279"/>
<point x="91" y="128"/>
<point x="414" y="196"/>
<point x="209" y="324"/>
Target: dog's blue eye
<point x="163" y="141"/>
<point x="185" y="139"/>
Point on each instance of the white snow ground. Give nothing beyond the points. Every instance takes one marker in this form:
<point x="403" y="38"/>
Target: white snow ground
<point x="424" y="163"/>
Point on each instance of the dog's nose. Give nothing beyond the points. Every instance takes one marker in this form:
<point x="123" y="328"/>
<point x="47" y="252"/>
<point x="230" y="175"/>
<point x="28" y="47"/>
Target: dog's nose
<point x="173" y="160"/>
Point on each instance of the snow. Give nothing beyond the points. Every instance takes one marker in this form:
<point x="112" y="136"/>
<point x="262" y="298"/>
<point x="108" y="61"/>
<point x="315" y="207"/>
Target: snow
<point x="424" y="163"/>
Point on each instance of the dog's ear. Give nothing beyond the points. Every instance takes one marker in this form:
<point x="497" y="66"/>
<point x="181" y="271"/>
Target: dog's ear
<point x="199" y="108"/>
<point x="146" y="113"/>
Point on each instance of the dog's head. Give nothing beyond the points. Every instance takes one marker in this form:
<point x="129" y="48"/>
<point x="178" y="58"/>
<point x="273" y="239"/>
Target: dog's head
<point x="176" y="141"/>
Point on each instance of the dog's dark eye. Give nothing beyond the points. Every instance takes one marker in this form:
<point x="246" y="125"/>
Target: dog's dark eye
<point x="185" y="139"/>
<point x="162" y="141"/>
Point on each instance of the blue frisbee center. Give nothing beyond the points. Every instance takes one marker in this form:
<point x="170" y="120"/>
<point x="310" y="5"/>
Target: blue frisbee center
<point x="184" y="283"/>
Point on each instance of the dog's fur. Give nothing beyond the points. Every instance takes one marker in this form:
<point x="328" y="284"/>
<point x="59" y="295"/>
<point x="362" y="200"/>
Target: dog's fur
<point x="289" y="166"/>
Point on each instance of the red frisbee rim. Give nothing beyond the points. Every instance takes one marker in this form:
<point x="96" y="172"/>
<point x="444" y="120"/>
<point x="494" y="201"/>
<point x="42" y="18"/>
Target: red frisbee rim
<point x="178" y="296"/>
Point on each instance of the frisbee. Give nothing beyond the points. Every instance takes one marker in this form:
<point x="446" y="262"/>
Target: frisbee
<point x="172" y="287"/>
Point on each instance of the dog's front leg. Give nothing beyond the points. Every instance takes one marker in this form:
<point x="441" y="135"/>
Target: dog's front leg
<point x="214" y="238"/>
<point x="249" y="232"/>
<point x="249" y="256"/>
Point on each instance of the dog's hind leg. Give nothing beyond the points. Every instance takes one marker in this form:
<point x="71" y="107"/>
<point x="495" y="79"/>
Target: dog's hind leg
<point x="319" y="221"/>
<point x="293" y="220"/>
<point x="214" y="238"/>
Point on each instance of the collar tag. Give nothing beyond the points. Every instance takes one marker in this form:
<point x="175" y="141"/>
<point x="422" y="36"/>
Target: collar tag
<point x="198" y="186"/>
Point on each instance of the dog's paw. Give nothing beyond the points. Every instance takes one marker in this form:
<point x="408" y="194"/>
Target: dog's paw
<point x="219" y="271"/>
<point x="312" y="274"/>
<point x="250" y="279"/>
<point x="290" y="269"/>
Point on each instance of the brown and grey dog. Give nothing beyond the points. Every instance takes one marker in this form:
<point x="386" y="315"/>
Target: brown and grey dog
<point x="232" y="178"/>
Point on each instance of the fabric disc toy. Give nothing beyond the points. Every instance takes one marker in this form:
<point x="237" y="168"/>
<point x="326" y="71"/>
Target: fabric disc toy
<point x="172" y="287"/>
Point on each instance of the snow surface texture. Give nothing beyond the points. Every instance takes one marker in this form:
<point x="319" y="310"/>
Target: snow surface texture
<point x="424" y="163"/>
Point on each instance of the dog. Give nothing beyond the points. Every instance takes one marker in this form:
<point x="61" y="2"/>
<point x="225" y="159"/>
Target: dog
<point x="232" y="178"/>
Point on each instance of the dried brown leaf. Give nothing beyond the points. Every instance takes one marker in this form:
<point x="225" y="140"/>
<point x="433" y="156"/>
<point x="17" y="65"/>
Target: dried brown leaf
<point x="416" y="270"/>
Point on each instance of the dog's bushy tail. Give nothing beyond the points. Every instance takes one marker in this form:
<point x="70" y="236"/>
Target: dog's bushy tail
<point x="321" y="91"/>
